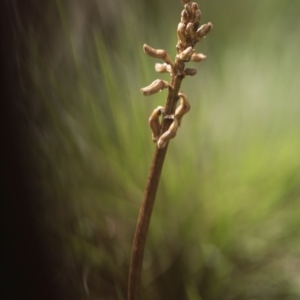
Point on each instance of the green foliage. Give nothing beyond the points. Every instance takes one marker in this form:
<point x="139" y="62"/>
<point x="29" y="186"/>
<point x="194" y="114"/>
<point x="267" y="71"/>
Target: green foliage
<point x="226" y="220"/>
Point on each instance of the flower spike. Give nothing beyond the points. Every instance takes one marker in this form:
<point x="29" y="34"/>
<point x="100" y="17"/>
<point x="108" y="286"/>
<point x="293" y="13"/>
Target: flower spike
<point x="189" y="34"/>
<point x="165" y="121"/>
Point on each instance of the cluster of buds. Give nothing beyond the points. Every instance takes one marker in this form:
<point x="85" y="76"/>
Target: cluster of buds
<point x="188" y="33"/>
<point x="188" y="30"/>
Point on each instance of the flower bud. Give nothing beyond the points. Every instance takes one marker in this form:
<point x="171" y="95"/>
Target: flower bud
<point x="169" y="134"/>
<point x="186" y="54"/>
<point x="181" y="32"/>
<point x="154" y="123"/>
<point x="190" y="72"/>
<point x="156" y="86"/>
<point x="204" y="30"/>
<point x="194" y="7"/>
<point x="197" y="57"/>
<point x="184" y="16"/>
<point x="157" y="53"/>
<point x="187" y="8"/>
<point x="163" y="68"/>
<point x="197" y="16"/>
<point x="190" y="30"/>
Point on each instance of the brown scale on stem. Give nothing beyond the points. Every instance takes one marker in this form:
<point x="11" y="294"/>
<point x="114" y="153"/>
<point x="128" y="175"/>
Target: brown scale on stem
<point x="188" y="34"/>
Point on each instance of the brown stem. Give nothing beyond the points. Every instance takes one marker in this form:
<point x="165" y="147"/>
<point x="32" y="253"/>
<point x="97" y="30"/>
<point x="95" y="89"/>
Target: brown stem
<point x="149" y="197"/>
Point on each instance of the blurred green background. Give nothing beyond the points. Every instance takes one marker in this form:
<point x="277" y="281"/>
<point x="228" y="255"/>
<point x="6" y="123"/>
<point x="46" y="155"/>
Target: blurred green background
<point x="226" y="221"/>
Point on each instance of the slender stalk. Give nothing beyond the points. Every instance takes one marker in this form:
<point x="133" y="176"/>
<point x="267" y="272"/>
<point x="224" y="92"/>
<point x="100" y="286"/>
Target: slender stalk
<point x="188" y="35"/>
<point x="148" y="200"/>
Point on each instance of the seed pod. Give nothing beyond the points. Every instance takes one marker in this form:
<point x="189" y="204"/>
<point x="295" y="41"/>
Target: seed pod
<point x="183" y="107"/>
<point x="156" y="86"/>
<point x="157" y="53"/>
<point x="163" y="68"/>
<point x="154" y="122"/>
<point x="197" y="57"/>
<point x="186" y="54"/>
<point x="169" y="134"/>
<point x="190" y="71"/>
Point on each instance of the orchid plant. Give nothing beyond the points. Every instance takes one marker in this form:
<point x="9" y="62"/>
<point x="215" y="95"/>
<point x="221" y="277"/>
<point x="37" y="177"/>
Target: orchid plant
<point x="165" y="121"/>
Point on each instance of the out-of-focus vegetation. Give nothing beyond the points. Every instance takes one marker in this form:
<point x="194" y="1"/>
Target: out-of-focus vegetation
<point x="226" y="220"/>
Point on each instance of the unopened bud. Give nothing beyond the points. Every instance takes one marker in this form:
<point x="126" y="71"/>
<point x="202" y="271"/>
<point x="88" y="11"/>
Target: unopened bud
<point x="187" y="8"/>
<point x="197" y="57"/>
<point x="184" y="16"/>
<point x="204" y="30"/>
<point x="181" y="32"/>
<point x="186" y="54"/>
<point x="154" y="123"/>
<point x="190" y="72"/>
<point x="163" y="68"/>
<point x="190" y="30"/>
<point x="156" y="86"/>
<point x="169" y="134"/>
<point x="194" y="7"/>
<point x="157" y="53"/>
<point x="197" y="16"/>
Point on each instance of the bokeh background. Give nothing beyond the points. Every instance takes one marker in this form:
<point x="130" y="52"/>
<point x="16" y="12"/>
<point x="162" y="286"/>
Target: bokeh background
<point x="226" y="220"/>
